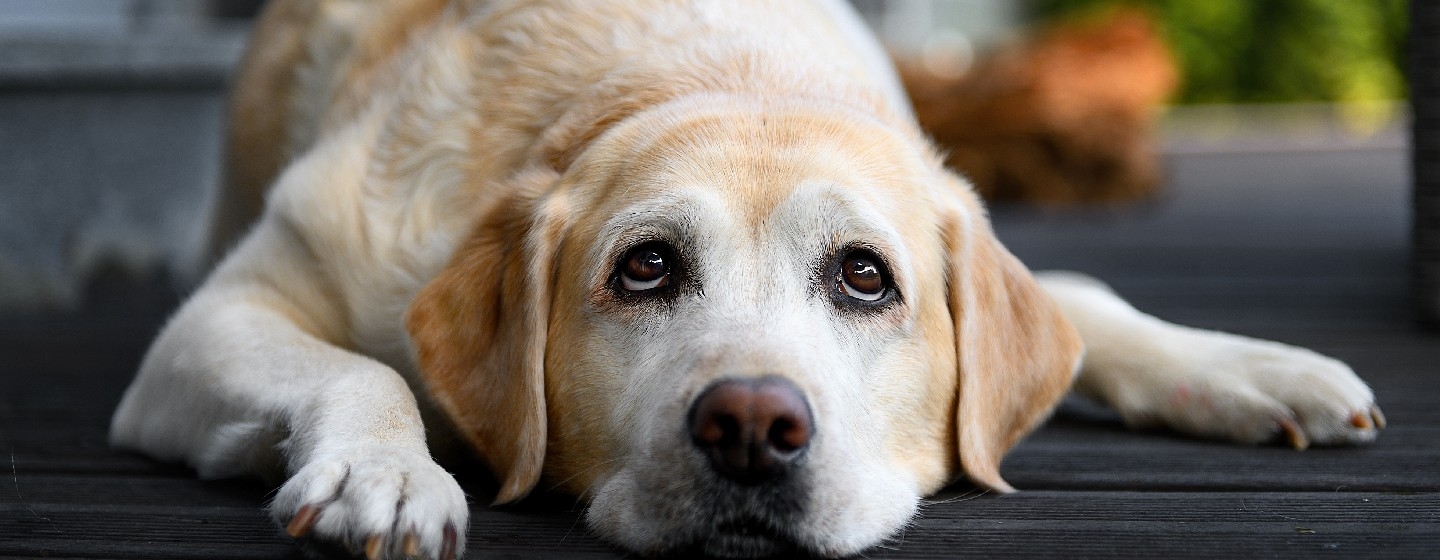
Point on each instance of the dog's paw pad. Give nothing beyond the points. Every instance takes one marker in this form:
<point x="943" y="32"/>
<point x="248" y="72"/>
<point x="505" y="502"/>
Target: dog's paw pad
<point x="380" y="504"/>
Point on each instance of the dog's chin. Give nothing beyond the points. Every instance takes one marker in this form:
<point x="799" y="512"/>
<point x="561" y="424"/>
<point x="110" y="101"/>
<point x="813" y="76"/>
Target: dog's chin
<point x="747" y="538"/>
<point x="712" y="518"/>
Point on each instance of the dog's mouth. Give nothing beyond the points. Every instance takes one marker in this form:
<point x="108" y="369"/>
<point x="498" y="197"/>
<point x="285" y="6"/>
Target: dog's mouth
<point x="746" y="538"/>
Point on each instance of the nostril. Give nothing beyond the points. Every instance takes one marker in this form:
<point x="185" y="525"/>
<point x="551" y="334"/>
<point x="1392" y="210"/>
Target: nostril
<point x="715" y="428"/>
<point x="788" y="436"/>
<point x="751" y="429"/>
<point x="729" y="429"/>
<point x="787" y="415"/>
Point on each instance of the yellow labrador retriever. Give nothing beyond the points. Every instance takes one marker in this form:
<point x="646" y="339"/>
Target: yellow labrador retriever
<point x="690" y="260"/>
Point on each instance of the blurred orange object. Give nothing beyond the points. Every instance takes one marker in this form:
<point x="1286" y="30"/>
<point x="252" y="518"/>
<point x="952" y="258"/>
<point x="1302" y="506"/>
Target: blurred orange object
<point x="1064" y="115"/>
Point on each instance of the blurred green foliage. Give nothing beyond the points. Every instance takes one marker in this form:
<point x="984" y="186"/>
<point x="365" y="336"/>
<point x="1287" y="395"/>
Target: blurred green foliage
<point x="1260" y="51"/>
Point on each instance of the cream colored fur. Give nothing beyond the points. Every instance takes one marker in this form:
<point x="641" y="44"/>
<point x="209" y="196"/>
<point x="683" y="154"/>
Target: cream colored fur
<point x="431" y="271"/>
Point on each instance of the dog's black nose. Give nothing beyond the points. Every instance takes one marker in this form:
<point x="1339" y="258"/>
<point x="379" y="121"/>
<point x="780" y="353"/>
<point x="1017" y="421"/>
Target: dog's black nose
<point x="751" y="429"/>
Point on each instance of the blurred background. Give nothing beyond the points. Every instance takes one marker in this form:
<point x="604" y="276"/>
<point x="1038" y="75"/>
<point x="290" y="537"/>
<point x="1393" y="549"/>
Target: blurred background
<point x="111" y="110"/>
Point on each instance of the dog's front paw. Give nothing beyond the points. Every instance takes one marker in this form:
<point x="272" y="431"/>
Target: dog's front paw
<point x="1251" y="391"/>
<point x="381" y="503"/>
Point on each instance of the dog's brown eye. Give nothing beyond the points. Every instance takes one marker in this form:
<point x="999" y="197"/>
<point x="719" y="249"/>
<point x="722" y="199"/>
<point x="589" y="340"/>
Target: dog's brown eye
<point x="861" y="277"/>
<point x="645" y="268"/>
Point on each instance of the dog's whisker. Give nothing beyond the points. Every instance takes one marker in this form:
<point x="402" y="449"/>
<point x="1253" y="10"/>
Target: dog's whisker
<point x="967" y="496"/>
<point x="583" y="472"/>
<point x="573" y="524"/>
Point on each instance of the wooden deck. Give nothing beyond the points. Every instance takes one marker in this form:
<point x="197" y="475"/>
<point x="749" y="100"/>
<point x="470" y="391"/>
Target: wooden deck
<point x="1308" y="248"/>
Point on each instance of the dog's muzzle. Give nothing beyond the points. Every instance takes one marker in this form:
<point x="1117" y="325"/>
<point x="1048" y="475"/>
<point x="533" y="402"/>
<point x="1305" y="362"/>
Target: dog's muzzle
<point x="752" y="432"/>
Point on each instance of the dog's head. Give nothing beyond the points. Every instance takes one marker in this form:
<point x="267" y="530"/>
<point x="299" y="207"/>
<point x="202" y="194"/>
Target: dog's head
<point x="742" y="327"/>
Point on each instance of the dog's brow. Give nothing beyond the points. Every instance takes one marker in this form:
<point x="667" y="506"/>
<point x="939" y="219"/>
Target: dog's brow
<point x="674" y="215"/>
<point x="842" y="217"/>
<point x="676" y="211"/>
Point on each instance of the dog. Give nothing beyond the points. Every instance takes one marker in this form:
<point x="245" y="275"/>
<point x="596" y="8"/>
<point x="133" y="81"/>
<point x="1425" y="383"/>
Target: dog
<point x="692" y="261"/>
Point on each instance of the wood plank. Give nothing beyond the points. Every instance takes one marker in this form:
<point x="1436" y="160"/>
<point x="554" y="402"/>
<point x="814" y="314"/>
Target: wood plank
<point x="1028" y="524"/>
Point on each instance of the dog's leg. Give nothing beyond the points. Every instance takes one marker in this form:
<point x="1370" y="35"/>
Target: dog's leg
<point x="245" y="374"/>
<point x="1208" y="383"/>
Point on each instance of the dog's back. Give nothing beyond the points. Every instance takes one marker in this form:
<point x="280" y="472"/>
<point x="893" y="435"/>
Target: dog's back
<point x="301" y="70"/>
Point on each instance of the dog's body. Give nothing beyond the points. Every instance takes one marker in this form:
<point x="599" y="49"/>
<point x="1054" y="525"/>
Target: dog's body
<point x="693" y="261"/>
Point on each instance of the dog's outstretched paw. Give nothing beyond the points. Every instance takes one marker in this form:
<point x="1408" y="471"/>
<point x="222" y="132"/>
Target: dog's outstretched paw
<point x="1324" y="402"/>
<point x="1252" y="391"/>
<point x="380" y="503"/>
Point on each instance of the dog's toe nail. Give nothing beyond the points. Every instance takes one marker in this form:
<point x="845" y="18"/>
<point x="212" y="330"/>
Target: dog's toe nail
<point x="1361" y="420"/>
<point x="1294" y="433"/>
<point x="412" y="545"/>
<point x="373" y="547"/>
<point x="447" y="548"/>
<point x="303" y="521"/>
<point x="1377" y="416"/>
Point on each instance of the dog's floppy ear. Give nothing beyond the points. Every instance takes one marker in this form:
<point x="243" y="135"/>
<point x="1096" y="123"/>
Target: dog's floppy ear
<point x="1017" y="354"/>
<point x="479" y="331"/>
